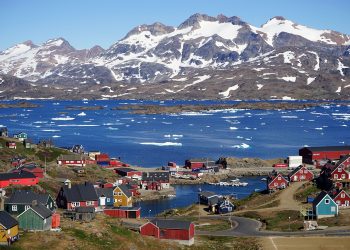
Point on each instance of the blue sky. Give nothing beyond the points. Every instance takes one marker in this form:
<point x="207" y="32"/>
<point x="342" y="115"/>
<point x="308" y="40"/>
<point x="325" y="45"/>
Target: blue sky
<point x="85" y="23"/>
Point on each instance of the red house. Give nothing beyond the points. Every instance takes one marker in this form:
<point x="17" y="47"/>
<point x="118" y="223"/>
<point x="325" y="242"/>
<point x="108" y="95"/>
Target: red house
<point x="180" y="231"/>
<point x="275" y="182"/>
<point x="339" y="173"/>
<point x="22" y="178"/>
<point x="11" y="144"/>
<point x="311" y="154"/>
<point x="198" y="163"/>
<point x="300" y="173"/>
<point x="72" y="160"/>
<point x="344" y="162"/>
<point x="56" y="220"/>
<point x="79" y="195"/>
<point x="123" y="212"/>
<point x="342" y="198"/>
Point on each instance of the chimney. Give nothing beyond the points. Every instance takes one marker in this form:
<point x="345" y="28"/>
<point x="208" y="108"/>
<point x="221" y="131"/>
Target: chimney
<point x="34" y="203"/>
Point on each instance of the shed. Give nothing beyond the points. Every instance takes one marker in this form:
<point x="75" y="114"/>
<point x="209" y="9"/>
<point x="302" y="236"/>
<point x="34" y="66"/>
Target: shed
<point x="123" y="212"/>
<point x="180" y="231"/>
<point x="35" y="218"/>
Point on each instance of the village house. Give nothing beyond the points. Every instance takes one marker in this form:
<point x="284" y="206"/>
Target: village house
<point x="92" y="154"/>
<point x="72" y="160"/>
<point x="122" y="196"/>
<point x="180" y="231"/>
<point x="209" y="198"/>
<point x="342" y="198"/>
<point x="129" y="172"/>
<point x="46" y="143"/>
<point x="300" y="173"/>
<point x="4" y="132"/>
<point x="8" y="229"/>
<point x="28" y="144"/>
<point x="21" y="200"/>
<point x="79" y="195"/>
<point x="21" y="136"/>
<point x="36" y="218"/>
<point x="324" y="206"/>
<point x="224" y="206"/>
<point x="84" y="213"/>
<point x="22" y="178"/>
<point x="123" y="212"/>
<point x="11" y="144"/>
<point x="339" y="173"/>
<point x="105" y="197"/>
<point x="276" y="181"/>
<point x="77" y="149"/>
<point x="155" y="180"/>
<point x="195" y="164"/>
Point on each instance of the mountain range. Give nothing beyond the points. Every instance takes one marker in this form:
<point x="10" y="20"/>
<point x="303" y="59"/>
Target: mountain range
<point x="203" y="58"/>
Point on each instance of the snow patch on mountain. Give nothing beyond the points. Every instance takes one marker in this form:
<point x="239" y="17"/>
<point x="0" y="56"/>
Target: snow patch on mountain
<point x="288" y="78"/>
<point x="340" y="67"/>
<point x="310" y="80"/>
<point x="226" y="94"/>
<point x="317" y="65"/>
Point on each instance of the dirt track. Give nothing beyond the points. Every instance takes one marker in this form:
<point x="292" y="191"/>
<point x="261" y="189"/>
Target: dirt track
<point x="309" y="243"/>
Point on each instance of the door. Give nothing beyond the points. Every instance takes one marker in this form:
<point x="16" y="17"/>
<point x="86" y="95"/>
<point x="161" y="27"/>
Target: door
<point x="347" y="203"/>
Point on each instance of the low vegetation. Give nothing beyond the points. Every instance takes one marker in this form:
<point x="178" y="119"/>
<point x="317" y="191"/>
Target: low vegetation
<point x="217" y="242"/>
<point x="308" y="189"/>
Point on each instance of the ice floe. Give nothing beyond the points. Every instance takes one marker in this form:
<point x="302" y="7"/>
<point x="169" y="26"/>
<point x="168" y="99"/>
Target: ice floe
<point x="162" y="144"/>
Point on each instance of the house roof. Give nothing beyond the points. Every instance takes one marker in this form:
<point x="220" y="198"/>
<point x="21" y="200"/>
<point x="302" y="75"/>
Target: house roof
<point x="42" y="211"/>
<point x="329" y="148"/>
<point x="125" y="190"/>
<point x="320" y="197"/>
<point x="272" y="178"/>
<point x="106" y="192"/>
<point x="19" y="175"/>
<point x="73" y="157"/>
<point x="295" y="170"/>
<point x="126" y="170"/>
<point x="342" y="159"/>
<point x="172" y="224"/>
<point x="204" y="160"/>
<point x="155" y="176"/>
<point x="207" y="194"/>
<point x="7" y="220"/>
<point x="26" y="197"/>
<point x="80" y="192"/>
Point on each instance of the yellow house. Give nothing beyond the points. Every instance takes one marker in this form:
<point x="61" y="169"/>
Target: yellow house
<point x="122" y="196"/>
<point x="8" y="228"/>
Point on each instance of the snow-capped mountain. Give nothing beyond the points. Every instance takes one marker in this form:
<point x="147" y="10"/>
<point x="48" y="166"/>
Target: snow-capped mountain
<point x="204" y="57"/>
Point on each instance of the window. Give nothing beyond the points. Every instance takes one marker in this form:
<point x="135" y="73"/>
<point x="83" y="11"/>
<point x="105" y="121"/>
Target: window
<point x="326" y="201"/>
<point x="89" y="203"/>
<point x="14" y="207"/>
<point x="339" y="169"/>
<point x="108" y="199"/>
<point x="75" y="204"/>
<point x="26" y="207"/>
<point x="342" y="195"/>
<point x="9" y="231"/>
<point x="275" y="184"/>
<point x="44" y="220"/>
<point x="279" y="178"/>
<point x="335" y="176"/>
<point x="332" y="209"/>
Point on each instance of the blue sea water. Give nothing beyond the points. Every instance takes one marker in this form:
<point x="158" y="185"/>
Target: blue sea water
<point x="153" y="140"/>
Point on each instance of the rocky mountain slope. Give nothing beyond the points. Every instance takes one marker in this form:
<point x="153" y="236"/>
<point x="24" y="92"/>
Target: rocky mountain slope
<point x="203" y="58"/>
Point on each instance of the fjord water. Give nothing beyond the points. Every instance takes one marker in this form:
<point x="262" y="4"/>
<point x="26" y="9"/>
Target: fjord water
<point x="153" y="140"/>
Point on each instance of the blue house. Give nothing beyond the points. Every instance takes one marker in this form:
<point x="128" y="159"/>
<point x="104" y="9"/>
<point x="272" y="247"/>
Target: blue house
<point x="324" y="206"/>
<point x="224" y="206"/>
<point x="105" y="197"/>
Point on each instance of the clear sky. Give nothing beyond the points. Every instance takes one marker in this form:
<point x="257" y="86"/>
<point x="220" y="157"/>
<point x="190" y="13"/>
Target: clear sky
<point x="85" y="23"/>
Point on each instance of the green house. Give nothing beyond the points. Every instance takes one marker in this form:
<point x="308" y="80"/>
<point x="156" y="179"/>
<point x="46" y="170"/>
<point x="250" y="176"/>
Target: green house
<point x="21" y="136"/>
<point x="21" y="200"/>
<point x="36" y="218"/>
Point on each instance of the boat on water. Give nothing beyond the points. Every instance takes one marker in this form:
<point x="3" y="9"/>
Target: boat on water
<point x="263" y="179"/>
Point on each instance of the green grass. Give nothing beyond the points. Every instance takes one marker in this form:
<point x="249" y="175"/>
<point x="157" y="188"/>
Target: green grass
<point x="50" y="154"/>
<point x="274" y="203"/>
<point x="220" y="226"/>
<point x="306" y="191"/>
<point x="284" y="220"/>
<point x="221" y="242"/>
<point x="243" y="201"/>
<point x="103" y="242"/>
<point x="121" y="231"/>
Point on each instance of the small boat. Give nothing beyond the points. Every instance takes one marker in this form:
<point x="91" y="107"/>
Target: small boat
<point x="263" y="179"/>
<point x="243" y="184"/>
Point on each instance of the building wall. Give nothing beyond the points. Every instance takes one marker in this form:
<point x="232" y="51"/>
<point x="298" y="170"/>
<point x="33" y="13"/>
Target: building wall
<point x="121" y="200"/>
<point x="29" y="220"/>
<point x="175" y="234"/>
<point x="342" y="201"/>
<point x="4" y="234"/>
<point x="149" y="229"/>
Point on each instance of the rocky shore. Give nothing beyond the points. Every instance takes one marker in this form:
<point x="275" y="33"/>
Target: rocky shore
<point x="84" y="107"/>
<point x="18" y="105"/>
<point x="157" y="109"/>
